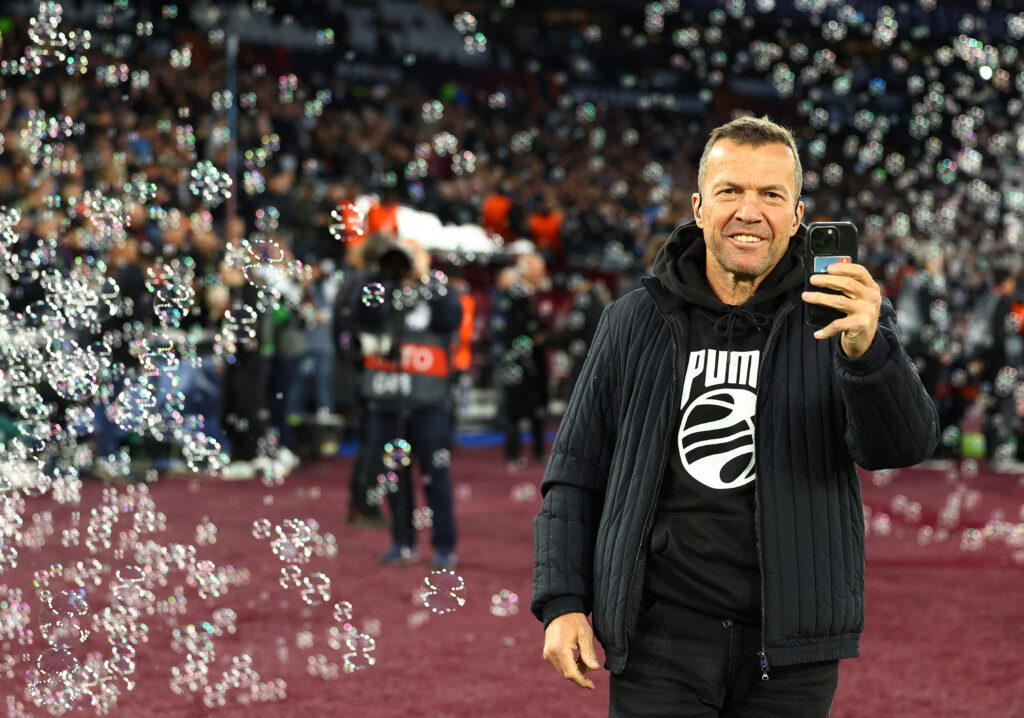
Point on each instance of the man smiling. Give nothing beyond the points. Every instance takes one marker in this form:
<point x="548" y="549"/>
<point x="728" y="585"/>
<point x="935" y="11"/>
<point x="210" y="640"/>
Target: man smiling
<point x="702" y="499"/>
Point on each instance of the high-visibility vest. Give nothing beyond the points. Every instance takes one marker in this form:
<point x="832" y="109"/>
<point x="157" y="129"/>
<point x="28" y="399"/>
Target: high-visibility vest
<point x="382" y="218"/>
<point x="421" y="377"/>
<point x="353" y="232"/>
<point x="546" y="230"/>
<point x="494" y="214"/>
<point x="462" y="351"/>
<point x="1017" y="310"/>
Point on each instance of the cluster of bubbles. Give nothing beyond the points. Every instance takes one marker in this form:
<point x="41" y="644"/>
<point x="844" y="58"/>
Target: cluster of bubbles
<point x="372" y="295"/>
<point x="239" y="683"/>
<point x="474" y="41"/>
<point x="209" y="183"/>
<point x="170" y="283"/>
<point x="423" y="518"/>
<point x="387" y="483"/>
<point x="524" y="492"/>
<point x="76" y="641"/>
<point x="126" y="573"/>
<point x="397" y="454"/>
<point x="108" y="598"/>
<point x="517" y="361"/>
<point x="504" y="603"/>
<point x="999" y="528"/>
<point x="50" y="45"/>
<point x="348" y="222"/>
<point x="294" y="542"/>
<point x="268" y="267"/>
<point x="355" y="647"/>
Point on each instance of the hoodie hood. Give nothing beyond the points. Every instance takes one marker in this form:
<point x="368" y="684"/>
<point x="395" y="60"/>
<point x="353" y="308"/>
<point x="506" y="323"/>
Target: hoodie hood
<point x="681" y="265"/>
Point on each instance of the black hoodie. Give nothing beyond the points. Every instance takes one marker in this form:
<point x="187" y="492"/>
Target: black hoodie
<point x="703" y="553"/>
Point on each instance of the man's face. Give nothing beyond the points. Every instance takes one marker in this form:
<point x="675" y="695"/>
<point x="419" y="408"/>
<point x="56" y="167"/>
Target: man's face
<point x="747" y="212"/>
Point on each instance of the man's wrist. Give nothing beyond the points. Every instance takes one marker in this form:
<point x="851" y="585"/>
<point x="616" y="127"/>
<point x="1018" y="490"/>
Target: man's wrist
<point x="562" y="605"/>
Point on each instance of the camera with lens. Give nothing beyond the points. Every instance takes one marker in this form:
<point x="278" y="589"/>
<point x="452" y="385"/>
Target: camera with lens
<point x="395" y="263"/>
<point x="824" y="240"/>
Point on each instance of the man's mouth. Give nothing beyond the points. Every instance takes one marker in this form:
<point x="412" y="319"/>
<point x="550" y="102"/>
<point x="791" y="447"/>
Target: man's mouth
<point x="746" y="238"/>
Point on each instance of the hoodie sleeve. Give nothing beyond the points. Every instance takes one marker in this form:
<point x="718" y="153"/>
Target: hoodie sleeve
<point x="565" y="531"/>
<point x="891" y="421"/>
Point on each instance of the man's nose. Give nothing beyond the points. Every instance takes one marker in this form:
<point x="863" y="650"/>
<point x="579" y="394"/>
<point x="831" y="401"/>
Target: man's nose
<point x="750" y="209"/>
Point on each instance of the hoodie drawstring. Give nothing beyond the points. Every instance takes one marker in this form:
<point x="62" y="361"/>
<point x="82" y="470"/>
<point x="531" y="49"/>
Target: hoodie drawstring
<point x="725" y="323"/>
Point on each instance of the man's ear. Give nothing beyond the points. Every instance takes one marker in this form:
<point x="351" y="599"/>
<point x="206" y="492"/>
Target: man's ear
<point x="697" y="201"/>
<point x="798" y="215"/>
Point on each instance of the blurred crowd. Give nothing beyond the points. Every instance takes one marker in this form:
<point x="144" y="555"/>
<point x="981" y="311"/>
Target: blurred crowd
<point x="574" y="143"/>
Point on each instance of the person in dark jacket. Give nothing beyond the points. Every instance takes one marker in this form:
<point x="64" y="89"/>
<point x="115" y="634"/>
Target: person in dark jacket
<point x="361" y="260"/>
<point x="519" y="331"/>
<point x="701" y="500"/>
<point x="577" y="330"/>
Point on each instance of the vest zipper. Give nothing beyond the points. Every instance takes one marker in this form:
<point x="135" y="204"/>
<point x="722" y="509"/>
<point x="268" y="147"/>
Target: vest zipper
<point x="673" y="411"/>
<point x="763" y="653"/>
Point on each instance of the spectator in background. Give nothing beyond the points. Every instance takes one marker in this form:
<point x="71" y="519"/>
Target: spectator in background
<point x="360" y="268"/>
<point x="651" y="249"/>
<point x="462" y="349"/>
<point x="496" y="208"/>
<point x="923" y="314"/>
<point x="305" y="223"/>
<point x="383" y="215"/>
<point x="244" y="411"/>
<point x="545" y="226"/>
<point x="579" y="325"/>
<point x="316" y="368"/>
<point x="523" y="369"/>
<point x="993" y="349"/>
<point x="128" y="269"/>
<point x="285" y="348"/>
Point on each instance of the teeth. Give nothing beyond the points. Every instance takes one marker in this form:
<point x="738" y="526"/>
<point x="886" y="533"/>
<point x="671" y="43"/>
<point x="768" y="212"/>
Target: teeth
<point x="746" y="238"/>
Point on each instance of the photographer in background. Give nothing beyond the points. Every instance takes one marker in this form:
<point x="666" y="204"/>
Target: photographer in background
<point x="406" y="325"/>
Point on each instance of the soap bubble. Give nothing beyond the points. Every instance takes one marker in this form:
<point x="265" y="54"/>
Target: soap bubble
<point x="397" y="454"/>
<point x="445" y="591"/>
<point x="504" y="603"/>
<point x="373" y="295"/>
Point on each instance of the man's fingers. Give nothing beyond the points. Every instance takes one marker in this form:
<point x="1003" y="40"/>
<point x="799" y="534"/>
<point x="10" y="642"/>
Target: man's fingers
<point x="830" y="330"/>
<point x="847" y="285"/>
<point x="841" y="302"/>
<point x="570" y="669"/>
<point x="588" y="656"/>
<point x="850" y="269"/>
<point x="575" y="674"/>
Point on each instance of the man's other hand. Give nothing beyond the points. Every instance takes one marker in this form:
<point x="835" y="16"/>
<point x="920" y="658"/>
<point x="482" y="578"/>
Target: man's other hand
<point x="566" y="635"/>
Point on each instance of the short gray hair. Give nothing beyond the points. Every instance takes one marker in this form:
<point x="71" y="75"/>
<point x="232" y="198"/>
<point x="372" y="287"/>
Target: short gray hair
<point x="752" y="131"/>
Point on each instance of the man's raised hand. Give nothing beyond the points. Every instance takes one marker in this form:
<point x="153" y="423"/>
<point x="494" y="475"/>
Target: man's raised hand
<point x="861" y="301"/>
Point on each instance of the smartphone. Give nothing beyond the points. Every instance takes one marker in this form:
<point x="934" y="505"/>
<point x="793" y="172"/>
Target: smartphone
<point x="827" y="243"/>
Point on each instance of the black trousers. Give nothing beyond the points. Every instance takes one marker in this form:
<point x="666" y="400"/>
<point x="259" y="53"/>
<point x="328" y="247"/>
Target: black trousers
<point x="429" y="431"/>
<point x="244" y="404"/>
<point x="363" y="475"/>
<point x="685" y="663"/>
